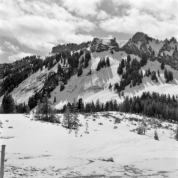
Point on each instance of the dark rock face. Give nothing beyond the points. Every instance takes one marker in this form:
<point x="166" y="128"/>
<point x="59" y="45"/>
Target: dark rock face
<point x="70" y="47"/>
<point x="139" y="36"/>
<point x="131" y="47"/>
<point x="98" y="46"/>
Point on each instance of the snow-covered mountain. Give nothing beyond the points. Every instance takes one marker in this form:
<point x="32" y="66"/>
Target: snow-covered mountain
<point x="92" y="84"/>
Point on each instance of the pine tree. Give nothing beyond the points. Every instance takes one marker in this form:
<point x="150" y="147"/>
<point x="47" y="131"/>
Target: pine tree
<point x="8" y="104"/>
<point x="97" y="105"/>
<point x="108" y="62"/>
<point x="126" y="105"/>
<point x="80" y="71"/>
<point x="59" y="70"/>
<point x="158" y="73"/>
<point x="67" y="120"/>
<point x="148" y="72"/>
<point x="143" y="60"/>
<point x="175" y="47"/>
<point x="88" y="55"/>
<point x="26" y="109"/>
<point x="122" y="63"/>
<point x="166" y="75"/>
<point x="75" y="121"/>
<point x="46" y="109"/>
<point x="98" y="66"/>
<point x="80" y="105"/>
<point x="170" y="76"/>
<point x="62" y="87"/>
<point x="54" y="100"/>
<point x="128" y="58"/>
<point x="162" y="66"/>
<point x="119" y="70"/>
<point x="110" y="86"/>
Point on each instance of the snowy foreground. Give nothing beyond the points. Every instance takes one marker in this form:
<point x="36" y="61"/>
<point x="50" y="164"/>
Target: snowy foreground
<point x="38" y="149"/>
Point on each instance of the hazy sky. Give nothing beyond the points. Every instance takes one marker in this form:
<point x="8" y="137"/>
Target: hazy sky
<point x="35" y="26"/>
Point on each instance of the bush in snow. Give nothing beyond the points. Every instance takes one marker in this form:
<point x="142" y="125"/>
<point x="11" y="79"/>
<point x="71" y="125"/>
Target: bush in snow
<point x="117" y="120"/>
<point x="133" y="119"/>
<point x="156" y="135"/>
<point x="141" y="130"/>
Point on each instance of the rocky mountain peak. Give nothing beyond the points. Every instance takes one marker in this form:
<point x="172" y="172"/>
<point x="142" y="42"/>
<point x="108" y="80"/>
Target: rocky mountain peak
<point x="140" y="36"/>
<point x="99" y="45"/>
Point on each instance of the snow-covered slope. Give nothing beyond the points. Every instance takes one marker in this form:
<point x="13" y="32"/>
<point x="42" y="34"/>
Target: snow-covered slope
<point x="35" y="149"/>
<point x="95" y="86"/>
<point x="31" y="85"/>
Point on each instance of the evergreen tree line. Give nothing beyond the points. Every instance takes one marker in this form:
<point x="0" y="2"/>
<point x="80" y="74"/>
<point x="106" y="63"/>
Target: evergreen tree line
<point x="18" y="71"/>
<point x="132" y="75"/>
<point x="103" y="63"/>
<point x="161" y="106"/>
<point x="9" y="106"/>
<point x="156" y="105"/>
<point x="62" y="75"/>
<point x="91" y="106"/>
<point x="152" y="105"/>
<point x="168" y="75"/>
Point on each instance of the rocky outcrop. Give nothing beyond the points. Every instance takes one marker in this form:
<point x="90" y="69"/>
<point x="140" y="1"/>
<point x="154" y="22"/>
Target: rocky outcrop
<point x="141" y="37"/>
<point x="98" y="45"/>
<point x="138" y="45"/>
<point x="70" y="47"/>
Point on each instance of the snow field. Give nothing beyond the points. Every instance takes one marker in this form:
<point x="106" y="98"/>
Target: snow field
<point x="40" y="149"/>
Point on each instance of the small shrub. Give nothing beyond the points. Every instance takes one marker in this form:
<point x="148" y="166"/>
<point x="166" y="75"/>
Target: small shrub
<point x="133" y="130"/>
<point x="133" y="119"/>
<point x="140" y="130"/>
<point x="115" y="127"/>
<point x="156" y="136"/>
<point x="117" y="120"/>
<point x="100" y="123"/>
<point x="94" y="119"/>
<point x="159" y="125"/>
<point x="166" y="127"/>
<point x="10" y="127"/>
<point x="107" y="160"/>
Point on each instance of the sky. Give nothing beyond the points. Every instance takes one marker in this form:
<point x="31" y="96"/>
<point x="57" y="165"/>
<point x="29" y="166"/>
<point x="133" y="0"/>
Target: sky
<point x="30" y="27"/>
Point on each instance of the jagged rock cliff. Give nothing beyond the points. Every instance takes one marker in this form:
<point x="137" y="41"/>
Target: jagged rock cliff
<point x="70" y="47"/>
<point x="99" y="45"/>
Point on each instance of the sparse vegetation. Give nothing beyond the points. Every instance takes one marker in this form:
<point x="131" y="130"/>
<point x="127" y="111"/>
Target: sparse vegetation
<point x="156" y="135"/>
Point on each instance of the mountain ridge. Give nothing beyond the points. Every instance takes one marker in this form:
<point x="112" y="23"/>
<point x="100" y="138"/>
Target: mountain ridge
<point x="70" y="73"/>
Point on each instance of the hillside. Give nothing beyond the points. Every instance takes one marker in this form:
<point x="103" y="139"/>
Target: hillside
<point x="92" y="84"/>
